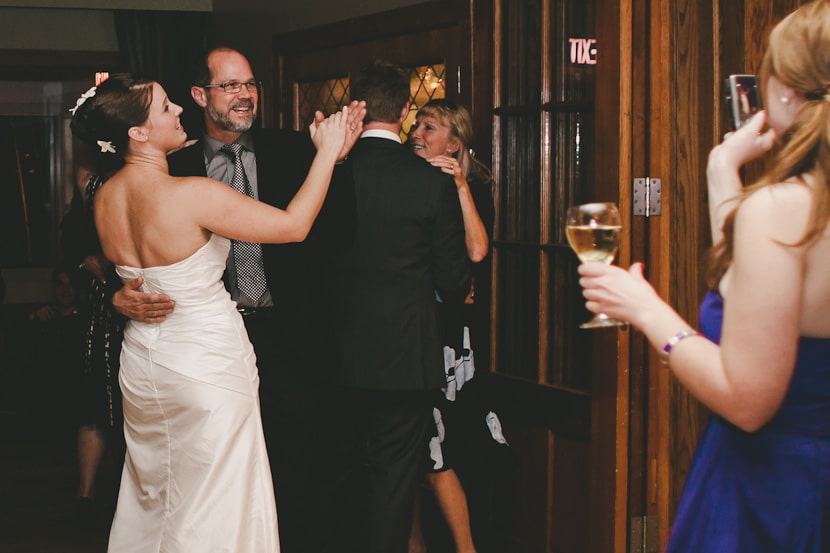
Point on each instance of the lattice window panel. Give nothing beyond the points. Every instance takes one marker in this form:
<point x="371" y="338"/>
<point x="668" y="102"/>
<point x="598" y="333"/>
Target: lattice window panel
<point x="327" y="96"/>
<point x="426" y="82"/>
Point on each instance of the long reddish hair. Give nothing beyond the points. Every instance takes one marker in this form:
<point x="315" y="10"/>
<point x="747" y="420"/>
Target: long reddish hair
<point x="798" y="55"/>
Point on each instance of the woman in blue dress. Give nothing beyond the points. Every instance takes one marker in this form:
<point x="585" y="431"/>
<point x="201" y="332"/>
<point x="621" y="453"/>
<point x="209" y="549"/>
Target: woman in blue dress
<point x="760" y="480"/>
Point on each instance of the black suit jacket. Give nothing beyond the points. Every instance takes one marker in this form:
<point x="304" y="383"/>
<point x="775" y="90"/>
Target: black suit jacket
<point x="296" y="272"/>
<point x="408" y="244"/>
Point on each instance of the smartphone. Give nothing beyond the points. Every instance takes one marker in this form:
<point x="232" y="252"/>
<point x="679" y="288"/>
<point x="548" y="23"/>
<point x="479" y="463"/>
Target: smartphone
<point x="742" y="97"/>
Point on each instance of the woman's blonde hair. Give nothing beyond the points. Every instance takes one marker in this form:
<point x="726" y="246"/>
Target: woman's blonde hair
<point x="457" y="118"/>
<point x="798" y="55"/>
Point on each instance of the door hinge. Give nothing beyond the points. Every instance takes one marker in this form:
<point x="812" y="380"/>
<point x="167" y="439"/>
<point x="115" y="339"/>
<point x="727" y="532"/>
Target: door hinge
<point x="647" y="198"/>
<point x="643" y="537"/>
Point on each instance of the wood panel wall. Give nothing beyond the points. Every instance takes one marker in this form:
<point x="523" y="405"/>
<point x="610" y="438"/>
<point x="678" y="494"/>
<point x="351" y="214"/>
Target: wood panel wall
<point x="694" y="121"/>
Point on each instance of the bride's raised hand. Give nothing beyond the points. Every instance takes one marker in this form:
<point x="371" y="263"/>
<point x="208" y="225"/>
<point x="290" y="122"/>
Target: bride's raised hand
<point x="357" y="111"/>
<point x="329" y="134"/>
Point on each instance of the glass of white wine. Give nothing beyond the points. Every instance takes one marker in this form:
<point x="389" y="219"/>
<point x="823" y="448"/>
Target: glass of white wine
<point x="594" y="234"/>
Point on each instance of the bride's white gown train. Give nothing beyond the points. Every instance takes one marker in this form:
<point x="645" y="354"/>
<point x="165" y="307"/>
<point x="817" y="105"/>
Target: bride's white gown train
<point x="196" y="477"/>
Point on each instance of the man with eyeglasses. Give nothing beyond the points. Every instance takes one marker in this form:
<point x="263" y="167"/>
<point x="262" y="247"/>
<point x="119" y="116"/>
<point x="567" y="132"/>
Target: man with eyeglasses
<point x="278" y="288"/>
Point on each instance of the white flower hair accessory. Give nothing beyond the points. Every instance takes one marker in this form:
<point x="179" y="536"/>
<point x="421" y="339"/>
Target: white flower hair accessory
<point x="84" y="97"/>
<point x="106" y="146"/>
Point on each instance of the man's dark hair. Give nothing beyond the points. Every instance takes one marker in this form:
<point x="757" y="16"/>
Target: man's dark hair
<point x="385" y="88"/>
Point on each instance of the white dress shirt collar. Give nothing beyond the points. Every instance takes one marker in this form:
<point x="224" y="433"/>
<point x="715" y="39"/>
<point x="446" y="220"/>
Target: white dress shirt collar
<point x="381" y="133"/>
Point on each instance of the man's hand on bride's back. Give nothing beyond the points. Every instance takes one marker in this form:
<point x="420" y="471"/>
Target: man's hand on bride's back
<point x="140" y="306"/>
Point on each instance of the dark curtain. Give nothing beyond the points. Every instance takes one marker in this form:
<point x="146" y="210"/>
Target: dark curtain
<point x="164" y="45"/>
<point x="27" y="194"/>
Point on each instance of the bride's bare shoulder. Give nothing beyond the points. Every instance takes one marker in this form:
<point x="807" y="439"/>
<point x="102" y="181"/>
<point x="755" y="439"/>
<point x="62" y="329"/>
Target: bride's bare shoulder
<point x="200" y="182"/>
<point x="203" y="190"/>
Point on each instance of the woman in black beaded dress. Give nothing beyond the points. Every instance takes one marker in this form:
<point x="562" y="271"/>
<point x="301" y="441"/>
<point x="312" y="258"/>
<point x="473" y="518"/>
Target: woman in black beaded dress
<point x="99" y="410"/>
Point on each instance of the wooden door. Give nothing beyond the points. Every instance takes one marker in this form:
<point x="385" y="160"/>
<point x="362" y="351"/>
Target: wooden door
<point x="557" y="379"/>
<point x="550" y="86"/>
<point x="543" y="366"/>
<point x="674" y="108"/>
<point x="527" y="69"/>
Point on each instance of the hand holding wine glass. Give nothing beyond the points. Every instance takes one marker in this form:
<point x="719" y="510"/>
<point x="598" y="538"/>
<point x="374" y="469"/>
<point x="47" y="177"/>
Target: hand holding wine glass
<point x="593" y="232"/>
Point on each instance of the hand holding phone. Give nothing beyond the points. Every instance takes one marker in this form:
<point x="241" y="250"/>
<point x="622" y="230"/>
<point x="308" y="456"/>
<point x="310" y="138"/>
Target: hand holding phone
<point x="743" y="99"/>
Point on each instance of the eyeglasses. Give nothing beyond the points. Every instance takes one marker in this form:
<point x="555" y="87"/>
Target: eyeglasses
<point x="234" y="87"/>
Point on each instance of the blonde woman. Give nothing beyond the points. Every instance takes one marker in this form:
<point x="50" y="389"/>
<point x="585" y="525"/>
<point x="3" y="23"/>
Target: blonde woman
<point x="441" y="134"/>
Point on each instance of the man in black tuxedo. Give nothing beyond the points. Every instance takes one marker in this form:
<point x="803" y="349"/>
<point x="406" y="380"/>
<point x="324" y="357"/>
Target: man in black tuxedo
<point x="408" y="244"/>
<point x="288" y="319"/>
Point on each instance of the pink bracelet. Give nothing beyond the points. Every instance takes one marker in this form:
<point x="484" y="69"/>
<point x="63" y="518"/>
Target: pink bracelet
<point x="673" y="341"/>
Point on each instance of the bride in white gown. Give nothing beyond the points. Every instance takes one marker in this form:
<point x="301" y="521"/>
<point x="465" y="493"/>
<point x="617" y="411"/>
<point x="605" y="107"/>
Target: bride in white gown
<point x="196" y="477"/>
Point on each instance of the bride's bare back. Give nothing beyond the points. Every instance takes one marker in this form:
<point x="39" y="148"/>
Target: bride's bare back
<point x="146" y="218"/>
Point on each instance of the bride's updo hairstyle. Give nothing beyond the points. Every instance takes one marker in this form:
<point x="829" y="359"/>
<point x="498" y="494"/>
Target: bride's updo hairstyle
<point x="104" y="117"/>
<point x="797" y="55"/>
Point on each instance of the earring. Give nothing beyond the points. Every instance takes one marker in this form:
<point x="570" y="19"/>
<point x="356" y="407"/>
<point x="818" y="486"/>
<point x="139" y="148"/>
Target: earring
<point x="785" y="100"/>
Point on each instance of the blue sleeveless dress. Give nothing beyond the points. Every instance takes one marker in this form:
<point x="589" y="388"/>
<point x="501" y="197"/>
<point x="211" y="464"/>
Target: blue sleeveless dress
<point x="766" y="491"/>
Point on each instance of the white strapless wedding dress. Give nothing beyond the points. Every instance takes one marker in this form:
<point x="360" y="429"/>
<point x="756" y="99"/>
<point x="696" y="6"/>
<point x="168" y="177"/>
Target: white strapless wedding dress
<point x="196" y="477"/>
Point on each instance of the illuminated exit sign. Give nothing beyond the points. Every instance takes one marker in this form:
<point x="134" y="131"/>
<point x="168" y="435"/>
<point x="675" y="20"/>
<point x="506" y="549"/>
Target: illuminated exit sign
<point x="583" y="51"/>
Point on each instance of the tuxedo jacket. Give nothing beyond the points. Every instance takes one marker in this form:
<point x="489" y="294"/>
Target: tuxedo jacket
<point x="408" y="244"/>
<point x="296" y="272"/>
